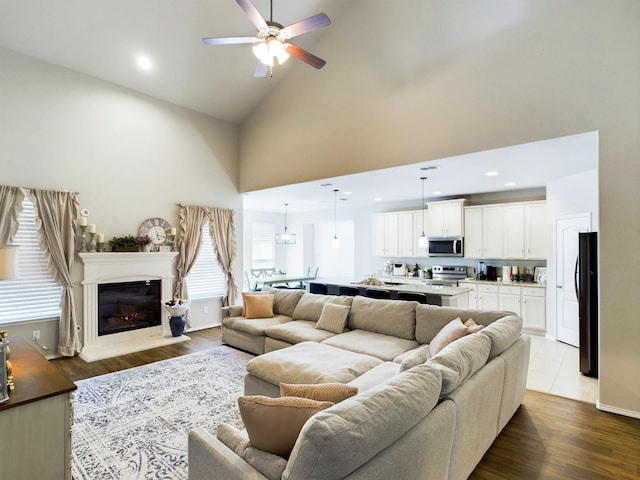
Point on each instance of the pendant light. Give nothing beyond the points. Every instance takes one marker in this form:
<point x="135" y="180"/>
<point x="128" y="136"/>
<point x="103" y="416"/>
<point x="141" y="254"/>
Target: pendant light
<point x="286" y="238"/>
<point x="336" y="242"/>
<point x="422" y="241"/>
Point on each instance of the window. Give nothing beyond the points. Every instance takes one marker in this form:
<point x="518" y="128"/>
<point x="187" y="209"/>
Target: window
<point x="34" y="295"/>
<point x="263" y="248"/>
<point x="206" y="279"/>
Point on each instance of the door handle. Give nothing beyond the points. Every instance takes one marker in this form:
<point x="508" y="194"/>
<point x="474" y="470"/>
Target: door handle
<point x="558" y="286"/>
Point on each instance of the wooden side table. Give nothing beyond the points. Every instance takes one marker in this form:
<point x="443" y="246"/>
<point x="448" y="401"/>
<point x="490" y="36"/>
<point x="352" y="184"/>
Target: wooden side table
<point x="35" y="424"/>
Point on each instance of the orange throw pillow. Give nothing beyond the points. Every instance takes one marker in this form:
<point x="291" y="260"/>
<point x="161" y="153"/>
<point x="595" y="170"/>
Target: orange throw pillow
<point x="257" y="305"/>
<point x="472" y="326"/>
<point x="453" y="330"/>
<point x="322" y="392"/>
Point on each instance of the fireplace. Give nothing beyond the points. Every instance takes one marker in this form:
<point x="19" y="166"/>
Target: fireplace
<point x="125" y="306"/>
<point x="122" y="303"/>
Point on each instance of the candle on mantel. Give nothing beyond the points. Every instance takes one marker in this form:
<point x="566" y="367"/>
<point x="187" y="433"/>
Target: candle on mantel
<point x="91" y="228"/>
<point x="100" y="237"/>
<point x="82" y="221"/>
<point x="173" y="231"/>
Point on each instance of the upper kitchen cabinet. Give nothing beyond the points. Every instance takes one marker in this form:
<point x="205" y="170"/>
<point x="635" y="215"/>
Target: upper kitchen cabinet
<point x="385" y="234"/>
<point x="526" y="231"/>
<point x="396" y="234"/>
<point x="446" y="218"/>
<point x="484" y="230"/>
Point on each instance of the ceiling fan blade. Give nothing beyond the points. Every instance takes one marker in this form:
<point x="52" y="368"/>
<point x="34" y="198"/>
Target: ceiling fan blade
<point x="261" y="70"/>
<point x="253" y="13"/>
<point x="228" y="40"/>
<point x="305" y="56"/>
<point x="307" y="25"/>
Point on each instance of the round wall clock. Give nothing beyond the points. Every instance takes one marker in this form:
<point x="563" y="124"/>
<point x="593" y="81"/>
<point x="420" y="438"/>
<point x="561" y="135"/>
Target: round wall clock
<point x="156" y="228"/>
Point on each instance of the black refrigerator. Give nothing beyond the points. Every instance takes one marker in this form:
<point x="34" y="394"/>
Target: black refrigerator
<point x="587" y="292"/>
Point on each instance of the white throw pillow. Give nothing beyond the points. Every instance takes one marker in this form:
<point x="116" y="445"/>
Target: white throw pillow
<point x="333" y="317"/>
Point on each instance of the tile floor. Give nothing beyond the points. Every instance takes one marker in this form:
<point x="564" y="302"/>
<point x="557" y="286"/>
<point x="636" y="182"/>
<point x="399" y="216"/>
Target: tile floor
<point x="554" y="368"/>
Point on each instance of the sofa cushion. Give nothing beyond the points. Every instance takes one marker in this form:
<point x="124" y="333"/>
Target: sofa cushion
<point x="503" y="333"/>
<point x="310" y="362"/>
<point x="333" y="317"/>
<point x="257" y="326"/>
<point x="273" y="424"/>
<point x="431" y="318"/>
<point x="298" y="331"/>
<point x="452" y="331"/>
<point x="464" y="357"/>
<point x="284" y="299"/>
<point x="269" y="465"/>
<point x="377" y="375"/>
<point x="257" y="305"/>
<point x="338" y="440"/>
<point x="385" y="347"/>
<point x="310" y="305"/>
<point x="414" y="357"/>
<point x="322" y="392"/>
<point x="390" y="317"/>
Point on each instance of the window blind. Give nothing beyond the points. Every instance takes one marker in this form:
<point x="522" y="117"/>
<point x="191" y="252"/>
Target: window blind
<point x="34" y="295"/>
<point x="263" y="245"/>
<point x="206" y="279"/>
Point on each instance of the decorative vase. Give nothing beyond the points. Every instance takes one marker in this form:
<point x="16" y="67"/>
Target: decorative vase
<point x="146" y="248"/>
<point x="177" y="325"/>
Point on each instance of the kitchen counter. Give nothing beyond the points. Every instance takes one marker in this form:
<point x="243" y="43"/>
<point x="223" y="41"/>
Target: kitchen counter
<point x="494" y="282"/>
<point x="435" y="294"/>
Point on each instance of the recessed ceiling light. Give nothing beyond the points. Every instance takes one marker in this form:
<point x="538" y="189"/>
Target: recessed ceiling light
<point x="378" y="199"/>
<point x="326" y="184"/>
<point x="510" y="184"/>
<point x="144" y="63"/>
<point x="347" y="193"/>
<point x="437" y="193"/>
<point x="429" y="167"/>
<point x="493" y="173"/>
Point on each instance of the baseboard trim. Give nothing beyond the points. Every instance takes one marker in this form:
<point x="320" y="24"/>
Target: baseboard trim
<point x="618" y="411"/>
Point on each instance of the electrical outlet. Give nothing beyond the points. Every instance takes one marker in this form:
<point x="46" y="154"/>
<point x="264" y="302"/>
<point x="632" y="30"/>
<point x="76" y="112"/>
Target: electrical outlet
<point x="36" y="335"/>
<point x="205" y="309"/>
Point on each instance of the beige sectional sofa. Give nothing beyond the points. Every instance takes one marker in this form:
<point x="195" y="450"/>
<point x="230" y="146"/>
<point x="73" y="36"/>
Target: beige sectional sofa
<point x="415" y="416"/>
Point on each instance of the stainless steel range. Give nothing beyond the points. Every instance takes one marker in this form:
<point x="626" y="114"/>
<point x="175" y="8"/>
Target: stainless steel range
<point x="447" y="275"/>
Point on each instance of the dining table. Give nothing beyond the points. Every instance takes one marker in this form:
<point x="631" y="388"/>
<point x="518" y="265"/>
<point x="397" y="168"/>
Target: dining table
<point x="283" y="279"/>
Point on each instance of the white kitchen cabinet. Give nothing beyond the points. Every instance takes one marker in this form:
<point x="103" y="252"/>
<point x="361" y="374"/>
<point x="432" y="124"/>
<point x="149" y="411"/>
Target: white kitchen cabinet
<point x="536" y="230"/>
<point x="406" y="241"/>
<point x="534" y="308"/>
<point x="526" y="231"/>
<point x="514" y="231"/>
<point x="473" y="232"/>
<point x="385" y="234"/>
<point x="510" y="298"/>
<point x="446" y="218"/>
<point x="484" y="232"/>
<point x="487" y="298"/>
<point x="493" y="232"/>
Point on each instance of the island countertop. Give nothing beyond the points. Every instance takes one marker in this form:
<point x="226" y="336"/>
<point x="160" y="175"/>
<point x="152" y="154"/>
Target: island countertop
<point x="442" y="290"/>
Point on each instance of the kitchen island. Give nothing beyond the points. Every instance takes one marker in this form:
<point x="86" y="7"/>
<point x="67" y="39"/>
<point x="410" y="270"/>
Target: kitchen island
<point x="433" y="294"/>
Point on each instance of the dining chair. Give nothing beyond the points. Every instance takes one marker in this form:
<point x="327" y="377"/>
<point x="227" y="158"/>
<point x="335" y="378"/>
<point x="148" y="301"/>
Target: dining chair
<point x="268" y="272"/>
<point x="312" y="273"/>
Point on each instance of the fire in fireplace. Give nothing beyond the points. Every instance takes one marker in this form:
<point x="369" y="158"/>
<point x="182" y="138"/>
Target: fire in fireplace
<point x="128" y="306"/>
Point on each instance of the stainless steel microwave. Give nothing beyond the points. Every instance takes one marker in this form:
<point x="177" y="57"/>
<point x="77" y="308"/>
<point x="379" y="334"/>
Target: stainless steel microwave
<point x="446" y="247"/>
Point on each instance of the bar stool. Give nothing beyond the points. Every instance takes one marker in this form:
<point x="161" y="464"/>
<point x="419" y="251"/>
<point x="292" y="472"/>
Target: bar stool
<point x="412" y="296"/>
<point x="350" y="291"/>
<point x="320" y="288"/>
<point x="375" y="293"/>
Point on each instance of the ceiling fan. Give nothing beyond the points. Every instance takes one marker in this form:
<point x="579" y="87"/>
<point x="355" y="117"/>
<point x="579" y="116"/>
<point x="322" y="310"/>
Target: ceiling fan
<point x="271" y="40"/>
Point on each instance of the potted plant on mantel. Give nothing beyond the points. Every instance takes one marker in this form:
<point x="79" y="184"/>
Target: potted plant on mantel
<point x="124" y="243"/>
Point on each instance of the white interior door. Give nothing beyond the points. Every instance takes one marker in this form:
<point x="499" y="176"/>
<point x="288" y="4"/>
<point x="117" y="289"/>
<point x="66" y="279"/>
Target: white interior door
<point x="566" y="255"/>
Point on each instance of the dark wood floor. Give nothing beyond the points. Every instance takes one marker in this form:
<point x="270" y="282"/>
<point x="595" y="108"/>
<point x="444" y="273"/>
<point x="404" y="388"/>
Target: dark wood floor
<point x="548" y="438"/>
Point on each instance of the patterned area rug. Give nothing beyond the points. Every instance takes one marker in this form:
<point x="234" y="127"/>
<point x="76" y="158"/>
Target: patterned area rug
<point x="133" y="424"/>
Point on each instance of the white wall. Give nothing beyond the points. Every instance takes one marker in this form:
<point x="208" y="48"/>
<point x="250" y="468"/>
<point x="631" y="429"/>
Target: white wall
<point x="129" y="156"/>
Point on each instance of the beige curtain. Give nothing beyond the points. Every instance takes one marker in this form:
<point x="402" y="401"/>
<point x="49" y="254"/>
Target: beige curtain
<point x="192" y="220"/>
<point x="56" y="213"/>
<point x="10" y="207"/>
<point x="223" y="236"/>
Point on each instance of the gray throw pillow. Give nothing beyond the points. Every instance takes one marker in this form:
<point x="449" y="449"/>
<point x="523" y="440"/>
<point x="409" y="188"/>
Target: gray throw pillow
<point x="333" y="317"/>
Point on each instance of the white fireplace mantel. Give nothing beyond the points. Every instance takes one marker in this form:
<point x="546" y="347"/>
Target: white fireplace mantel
<point x="112" y="267"/>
